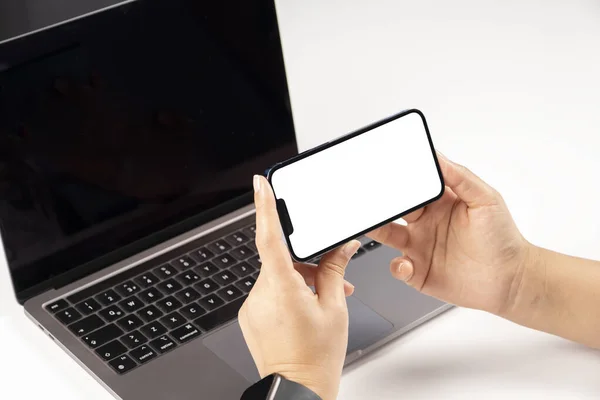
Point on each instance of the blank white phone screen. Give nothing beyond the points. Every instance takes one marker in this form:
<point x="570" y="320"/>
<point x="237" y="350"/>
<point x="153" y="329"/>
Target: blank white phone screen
<point x="361" y="182"/>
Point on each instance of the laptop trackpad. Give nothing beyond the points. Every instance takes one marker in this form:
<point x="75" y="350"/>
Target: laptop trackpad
<point x="229" y="345"/>
<point x="366" y="327"/>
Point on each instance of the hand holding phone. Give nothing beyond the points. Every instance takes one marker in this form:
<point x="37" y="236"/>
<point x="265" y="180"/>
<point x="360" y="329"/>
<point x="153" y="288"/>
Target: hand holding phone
<point x="345" y="188"/>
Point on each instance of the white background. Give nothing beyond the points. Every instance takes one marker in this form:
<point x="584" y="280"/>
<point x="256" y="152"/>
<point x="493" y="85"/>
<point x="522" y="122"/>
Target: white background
<point x="350" y="187"/>
<point x="511" y="89"/>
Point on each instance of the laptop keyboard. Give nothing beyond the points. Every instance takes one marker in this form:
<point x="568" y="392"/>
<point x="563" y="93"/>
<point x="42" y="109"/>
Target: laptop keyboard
<point x="153" y="308"/>
<point x="142" y="313"/>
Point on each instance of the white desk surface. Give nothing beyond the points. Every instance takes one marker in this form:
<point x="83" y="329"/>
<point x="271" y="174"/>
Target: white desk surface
<point x="512" y="90"/>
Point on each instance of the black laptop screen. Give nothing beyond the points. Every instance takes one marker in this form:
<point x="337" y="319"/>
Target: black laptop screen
<point x="122" y="124"/>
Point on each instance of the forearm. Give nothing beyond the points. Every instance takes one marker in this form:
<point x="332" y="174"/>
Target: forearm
<point x="558" y="294"/>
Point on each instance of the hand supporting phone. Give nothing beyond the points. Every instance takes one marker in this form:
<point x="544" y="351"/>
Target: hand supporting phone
<point x="345" y="188"/>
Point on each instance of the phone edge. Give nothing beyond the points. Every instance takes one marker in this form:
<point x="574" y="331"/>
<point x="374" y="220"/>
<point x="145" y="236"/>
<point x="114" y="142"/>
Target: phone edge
<point x="270" y="171"/>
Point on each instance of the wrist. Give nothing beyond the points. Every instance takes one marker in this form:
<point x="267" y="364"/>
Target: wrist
<point x="526" y="294"/>
<point x="323" y="383"/>
<point x="325" y="390"/>
<point x="277" y="387"/>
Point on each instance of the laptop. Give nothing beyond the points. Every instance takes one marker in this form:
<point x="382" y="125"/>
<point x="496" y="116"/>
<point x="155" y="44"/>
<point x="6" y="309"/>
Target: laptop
<point x="128" y="141"/>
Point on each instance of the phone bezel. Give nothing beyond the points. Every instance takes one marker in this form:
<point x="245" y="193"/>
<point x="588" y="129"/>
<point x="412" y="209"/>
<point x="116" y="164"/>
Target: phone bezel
<point x="269" y="174"/>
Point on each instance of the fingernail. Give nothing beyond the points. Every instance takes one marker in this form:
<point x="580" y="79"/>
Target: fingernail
<point x="256" y="183"/>
<point x="402" y="271"/>
<point x="351" y="248"/>
<point x="349" y="287"/>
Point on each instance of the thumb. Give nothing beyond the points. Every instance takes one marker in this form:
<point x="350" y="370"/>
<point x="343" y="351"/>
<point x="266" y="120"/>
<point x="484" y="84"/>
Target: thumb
<point x="329" y="280"/>
<point x="403" y="269"/>
<point x="468" y="187"/>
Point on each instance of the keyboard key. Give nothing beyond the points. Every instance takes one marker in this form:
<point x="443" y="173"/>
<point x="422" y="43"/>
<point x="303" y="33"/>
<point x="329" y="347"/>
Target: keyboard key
<point x="168" y="304"/>
<point x="252" y="246"/>
<point x="86" y="325"/>
<point x="88" y="306"/>
<point x="134" y="339"/>
<point x="102" y="336"/>
<point x="122" y="364"/>
<point x="224" y="278"/>
<point x="111" y="350"/>
<point x="203" y="254"/>
<point x="255" y="275"/>
<point x="255" y="262"/>
<point x="109" y="297"/>
<point x="229" y="293"/>
<point x="163" y="344"/>
<point x="165" y="272"/>
<point x="237" y="238"/>
<point x="111" y="313"/>
<point x="67" y="316"/>
<point x="220" y="316"/>
<point x="207" y="286"/>
<point x="169" y="286"/>
<point x="186" y="333"/>
<point x="359" y="253"/>
<point x="173" y="320"/>
<point x="150" y="313"/>
<point x="250" y="231"/>
<point x="151" y="295"/>
<point x="130" y="323"/>
<point x="188" y="278"/>
<point x="211" y="302"/>
<point x="146" y="280"/>
<point x="57" y="306"/>
<point x="184" y="262"/>
<point x="219" y="247"/>
<point x="143" y="354"/>
<point x="207" y="269"/>
<point x="126" y="289"/>
<point x="243" y="269"/>
<point x="131" y="304"/>
<point x="153" y="329"/>
<point x="372" y="245"/>
<point x="187" y="295"/>
<point x="246" y="284"/>
<point x="109" y="283"/>
<point x="242" y="252"/>
<point x="192" y="311"/>
<point x="224" y="261"/>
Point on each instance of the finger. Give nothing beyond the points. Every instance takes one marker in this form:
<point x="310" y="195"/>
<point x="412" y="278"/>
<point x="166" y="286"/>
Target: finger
<point x="329" y="280"/>
<point x="392" y="234"/>
<point x="468" y="187"/>
<point x="273" y="252"/>
<point x="309" y="271"/>
<point x="403" y="269"/>
<point x="414" y="216"/>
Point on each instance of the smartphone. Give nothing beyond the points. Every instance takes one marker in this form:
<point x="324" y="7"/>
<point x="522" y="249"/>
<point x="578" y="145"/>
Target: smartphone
<point x="345" y="188"/>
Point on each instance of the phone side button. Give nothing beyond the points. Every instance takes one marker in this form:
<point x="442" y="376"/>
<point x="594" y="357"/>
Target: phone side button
<point x="284" y="216"/>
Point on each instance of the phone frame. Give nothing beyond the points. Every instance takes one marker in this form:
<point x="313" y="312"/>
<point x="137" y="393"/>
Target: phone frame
<point x="269" y="174"/>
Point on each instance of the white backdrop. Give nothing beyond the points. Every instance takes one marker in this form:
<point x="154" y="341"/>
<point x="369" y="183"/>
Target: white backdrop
<point x="511" y="89"/>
